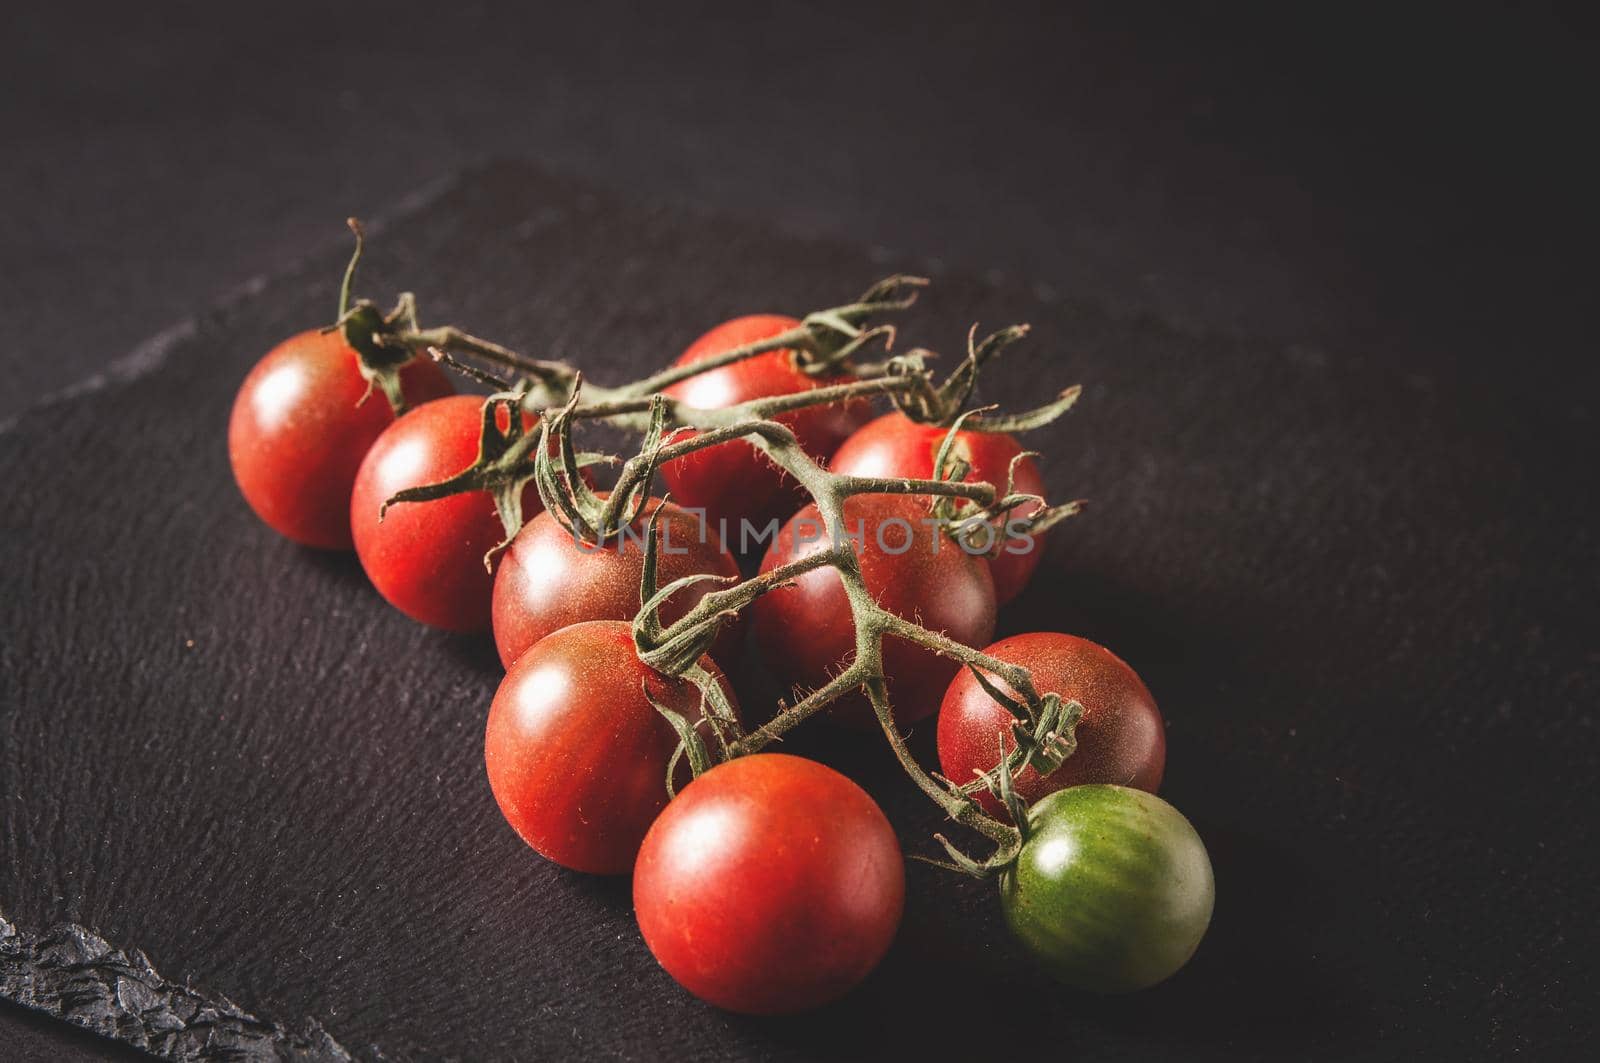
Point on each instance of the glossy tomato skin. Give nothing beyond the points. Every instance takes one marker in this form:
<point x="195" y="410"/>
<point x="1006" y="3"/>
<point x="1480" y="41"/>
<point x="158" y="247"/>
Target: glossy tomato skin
<point x="734" y="480"/>
<point x="575" y="752"/>
<point x="896" y="446"/>
<point x="300" y="428"/>
<point x="1121" y="737"/>
<point x="1113" y="889"/>
<point x="426" y="558"/>
<point x="805" y="631"/>
<point x="547" y="580"/>
<point x="771" y="885"/>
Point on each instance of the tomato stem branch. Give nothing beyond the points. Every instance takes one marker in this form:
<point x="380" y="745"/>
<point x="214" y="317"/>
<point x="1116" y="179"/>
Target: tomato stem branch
<point x="824" y="342"/>
<point x="872" y="623"/>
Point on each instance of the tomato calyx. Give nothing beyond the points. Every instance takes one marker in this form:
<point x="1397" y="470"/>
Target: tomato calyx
<point x="1008" y="847"/>
<point x="1043" y="737"/>
<point x="680" y="653"/>
<point x="716" y="712"/>
<point x="833" y="337"/>
<point x="502" y="467"/>
<point x="690" y="744"/>
<point x="981" y="527"/>
<point x="585" y="514"/>
<point x="675" y="649"/>
<point x="386" y="342"/>
<point x="942" y="405"/>
<point x="372" y="333"/>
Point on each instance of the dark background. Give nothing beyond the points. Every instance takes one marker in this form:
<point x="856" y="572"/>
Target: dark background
<point x="1390" y="178"/>
<point x="1401" y="189"/>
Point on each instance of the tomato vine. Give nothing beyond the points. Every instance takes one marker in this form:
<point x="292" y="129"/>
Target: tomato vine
<point x="834" y="341"/>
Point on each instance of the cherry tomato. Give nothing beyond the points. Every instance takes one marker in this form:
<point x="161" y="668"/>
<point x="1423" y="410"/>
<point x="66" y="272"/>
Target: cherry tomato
<point x="426" y="558"/>
<point x="300" y="428"/>
<point x="1121" y="737"/>
<point x="576" y="753"/>
<point x="806" y="632"/>
<point x="547" y="579"/>
<point x="771" y="885"/>
<point x="896" y="446"/>
<point x="1113" y="889"/>
<point x="734" y="480"/>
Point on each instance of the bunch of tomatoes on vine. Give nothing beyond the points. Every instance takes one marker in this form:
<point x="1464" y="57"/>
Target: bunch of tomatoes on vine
<point x="801" y="499"/>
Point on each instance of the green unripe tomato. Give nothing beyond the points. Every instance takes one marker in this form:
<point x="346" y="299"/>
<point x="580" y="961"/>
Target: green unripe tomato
<point x="1113" y="888"/>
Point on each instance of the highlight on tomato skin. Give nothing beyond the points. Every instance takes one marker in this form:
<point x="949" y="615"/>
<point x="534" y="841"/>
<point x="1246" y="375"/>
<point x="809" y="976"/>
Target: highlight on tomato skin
<point x="735" y="481"/>
<point x="547" y="579"/>
<point x="771" y="885"/>
<point x="896" y="446"/>
<point x="302" y="422"/>
<point x="806" y="631"/>
<point x="575" y="751"/>
<point x="426" y="558"/>
<point x="1121" y="737"/>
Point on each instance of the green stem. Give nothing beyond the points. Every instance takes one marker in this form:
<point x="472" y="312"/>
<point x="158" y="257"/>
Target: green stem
<point x="975" y="491"/>
<point x="350" y="269"/>
<point x="797" y="337"/>
<point x="450" y="338"/>
<point x="792" y="716"/>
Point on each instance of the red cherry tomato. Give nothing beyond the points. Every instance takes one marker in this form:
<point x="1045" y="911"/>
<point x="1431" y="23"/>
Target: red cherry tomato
<point x="734" y="480"/>
<point x="771" y="885"/>
<point x="426" y="558"/>
<point x="806" y="632"/>
<point x="548" y="580"/>
<point x="300" y="428"/>
<point x="576" y="753"/>
<point x="1121" y="737"/>
<point x="896" y="446"/>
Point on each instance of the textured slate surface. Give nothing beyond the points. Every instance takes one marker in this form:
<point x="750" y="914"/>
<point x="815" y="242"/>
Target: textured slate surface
<point x="1364" y="600"/>
<point x="77" y="975"/>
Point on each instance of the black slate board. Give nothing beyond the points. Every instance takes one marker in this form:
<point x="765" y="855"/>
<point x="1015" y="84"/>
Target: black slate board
<point x="1363" y="600"/>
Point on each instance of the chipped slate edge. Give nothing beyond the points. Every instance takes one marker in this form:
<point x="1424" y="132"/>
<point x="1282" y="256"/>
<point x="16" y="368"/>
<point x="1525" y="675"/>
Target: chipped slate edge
<point x="74" y="974"/>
